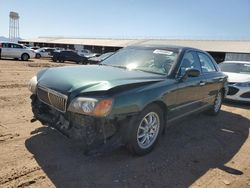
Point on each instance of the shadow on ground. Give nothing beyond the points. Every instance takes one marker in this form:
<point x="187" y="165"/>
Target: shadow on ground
<point x="237" y="104"/>
<point x="188" y="150"/>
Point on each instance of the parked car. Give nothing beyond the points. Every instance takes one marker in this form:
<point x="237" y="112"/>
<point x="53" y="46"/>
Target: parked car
<point x="96" y="60"/>
<point x="44" y="52"/>
<point x="34" y="48"/>
<point x="239" y="79"/>
<point x="130" y="98"/>
<point x="69" y="55"/>
<point x="87" y="53"/>
<point x="14" y="50"/>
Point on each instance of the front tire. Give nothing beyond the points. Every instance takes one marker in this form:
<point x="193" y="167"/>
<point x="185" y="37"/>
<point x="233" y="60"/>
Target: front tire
<point x="25" y="57"/>
<point x="146" y="130"/>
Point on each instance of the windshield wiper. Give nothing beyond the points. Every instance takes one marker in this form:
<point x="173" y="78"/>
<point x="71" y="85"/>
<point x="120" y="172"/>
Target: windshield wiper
<point x="150" y="72"/>
<point x="118" y="66"/>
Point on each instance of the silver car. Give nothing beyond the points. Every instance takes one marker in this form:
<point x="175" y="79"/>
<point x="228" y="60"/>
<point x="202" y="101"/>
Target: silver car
<point x="15" y="50"/>
<point x="238" y="79"/>
<point x="44" y="52"/>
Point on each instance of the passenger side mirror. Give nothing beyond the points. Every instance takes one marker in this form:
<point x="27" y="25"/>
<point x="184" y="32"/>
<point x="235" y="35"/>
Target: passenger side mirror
<point x="190" y="73"/>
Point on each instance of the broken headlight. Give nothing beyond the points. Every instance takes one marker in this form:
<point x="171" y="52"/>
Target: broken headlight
<point x="32" y="84"/>
<point x="91" y="106"/>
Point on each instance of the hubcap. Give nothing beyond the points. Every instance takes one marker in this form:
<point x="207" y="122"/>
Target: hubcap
<point x="148" y="130"/>
<point x="25" y="57"/>
<point x="218" y="101"/>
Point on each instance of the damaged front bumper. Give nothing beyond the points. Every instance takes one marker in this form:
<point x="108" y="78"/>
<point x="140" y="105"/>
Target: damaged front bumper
<point x="91" y="132"/>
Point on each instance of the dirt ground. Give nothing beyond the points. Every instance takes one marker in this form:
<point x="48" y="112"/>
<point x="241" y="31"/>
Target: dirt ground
<point x="199" y="151"/>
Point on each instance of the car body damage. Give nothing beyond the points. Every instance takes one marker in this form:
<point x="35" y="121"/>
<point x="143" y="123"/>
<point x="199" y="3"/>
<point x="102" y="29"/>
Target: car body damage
<point x="91" y="131"/>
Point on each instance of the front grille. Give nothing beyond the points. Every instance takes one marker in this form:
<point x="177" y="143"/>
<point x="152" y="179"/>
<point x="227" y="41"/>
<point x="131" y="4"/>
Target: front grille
<point x="52" y="98"/>
<point x="245" y="95"/>
<point x="232" y="90"/>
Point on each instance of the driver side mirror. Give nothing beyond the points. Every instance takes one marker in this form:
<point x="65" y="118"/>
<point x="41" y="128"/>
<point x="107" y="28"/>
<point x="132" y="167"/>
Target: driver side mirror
<point x="190" y="73"/>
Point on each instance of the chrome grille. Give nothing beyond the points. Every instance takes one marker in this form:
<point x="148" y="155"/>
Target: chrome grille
<point x="52" y="98"/>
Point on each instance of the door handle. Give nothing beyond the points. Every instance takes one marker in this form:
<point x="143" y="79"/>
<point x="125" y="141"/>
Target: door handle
<point x="202" y="83"/>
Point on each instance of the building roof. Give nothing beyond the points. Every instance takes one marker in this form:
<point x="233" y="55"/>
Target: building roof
<point x="237" y="46"/>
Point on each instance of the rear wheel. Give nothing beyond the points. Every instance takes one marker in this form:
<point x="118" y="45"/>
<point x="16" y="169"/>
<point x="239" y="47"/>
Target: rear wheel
<point x="215" y="109"/>
<point x="25" y="57"/>
<point x="146" y="130"/>
<point x="38" y="56"/>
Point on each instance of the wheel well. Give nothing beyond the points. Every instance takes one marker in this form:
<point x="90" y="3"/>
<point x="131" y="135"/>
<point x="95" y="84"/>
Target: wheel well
<point x="164" y="108"/>
<point x="223" y="92"/>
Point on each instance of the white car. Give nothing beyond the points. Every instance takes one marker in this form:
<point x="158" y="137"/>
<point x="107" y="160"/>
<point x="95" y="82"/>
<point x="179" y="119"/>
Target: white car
<point x="44" y="52"/>
<point x="87" y="53"/>
<point x="14" y="50"/>
<point x="238" y="79"/>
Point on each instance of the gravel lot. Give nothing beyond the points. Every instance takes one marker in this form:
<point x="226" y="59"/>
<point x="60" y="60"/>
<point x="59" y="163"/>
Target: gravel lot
<point x="198" y="151"/>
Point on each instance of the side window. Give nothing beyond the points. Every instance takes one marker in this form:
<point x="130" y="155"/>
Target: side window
<point x="189" y="61"/>
<point x="17" y="46"/>
<point x="206" y="63"/>
<point x="6" y="45"/>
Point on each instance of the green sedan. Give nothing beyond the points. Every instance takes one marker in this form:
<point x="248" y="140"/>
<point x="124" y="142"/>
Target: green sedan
<point x="130" y="98"/>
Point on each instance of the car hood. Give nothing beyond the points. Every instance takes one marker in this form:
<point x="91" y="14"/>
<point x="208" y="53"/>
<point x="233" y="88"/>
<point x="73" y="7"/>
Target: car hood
<point x="237" y="77"/>
<point x="89" y="78"/>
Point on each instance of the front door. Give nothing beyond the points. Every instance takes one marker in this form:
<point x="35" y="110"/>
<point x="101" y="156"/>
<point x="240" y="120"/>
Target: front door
<point x="189" y="94"/>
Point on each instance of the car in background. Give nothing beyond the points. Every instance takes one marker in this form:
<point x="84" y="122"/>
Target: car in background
<point x="129" y="98"/>
<point x="87" y="53"/>
<point x="69" y="55"/>
<point x="34" y="47"/>
<point x="16" y="51"/>
<point x="96" y="60"/>
<point x="238" y="79"/>
<point x="44" y="52"/>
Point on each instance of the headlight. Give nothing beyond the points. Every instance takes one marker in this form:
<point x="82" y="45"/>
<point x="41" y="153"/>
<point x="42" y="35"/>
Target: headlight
<point x="91" y="106"/>
<point x="32" y="84"/>
<point x="244" y="84"/>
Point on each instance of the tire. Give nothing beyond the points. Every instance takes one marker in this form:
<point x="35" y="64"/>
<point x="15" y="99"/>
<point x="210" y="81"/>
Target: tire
<point x="61" y="59"/>
<point x="38" y="56"/>
<point x="215" y="109"/>
<point x="54" y="59"/>
<point x="144" y="133"/>
<point x="25" y="57"/>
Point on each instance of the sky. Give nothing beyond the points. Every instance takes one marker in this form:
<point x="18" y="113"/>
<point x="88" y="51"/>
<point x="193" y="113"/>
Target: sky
<point x="182" y="19"/>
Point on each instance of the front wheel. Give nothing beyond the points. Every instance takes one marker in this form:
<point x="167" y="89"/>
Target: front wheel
<point x="25" y="57"/>
<point x="146" y="130"/>
<point x="215" y="109"/>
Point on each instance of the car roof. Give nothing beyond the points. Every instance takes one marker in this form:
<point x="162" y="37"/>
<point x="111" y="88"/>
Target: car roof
<point x="9" y="42"/>
<point x="163" y="46"/>
<point x="242" y="62"/>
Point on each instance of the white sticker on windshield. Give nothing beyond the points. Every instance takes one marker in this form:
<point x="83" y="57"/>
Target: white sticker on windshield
<point x="247" y="65"/>
<point x="165" y="52"/>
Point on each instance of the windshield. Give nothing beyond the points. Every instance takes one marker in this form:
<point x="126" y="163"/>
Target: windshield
<point x="156" y="61"/>
<point x="235" y="67"/>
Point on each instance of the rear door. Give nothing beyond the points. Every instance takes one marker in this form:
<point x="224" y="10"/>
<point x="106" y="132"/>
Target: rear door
<point x="213" y="77"/>
<point x="6" y="51"/>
